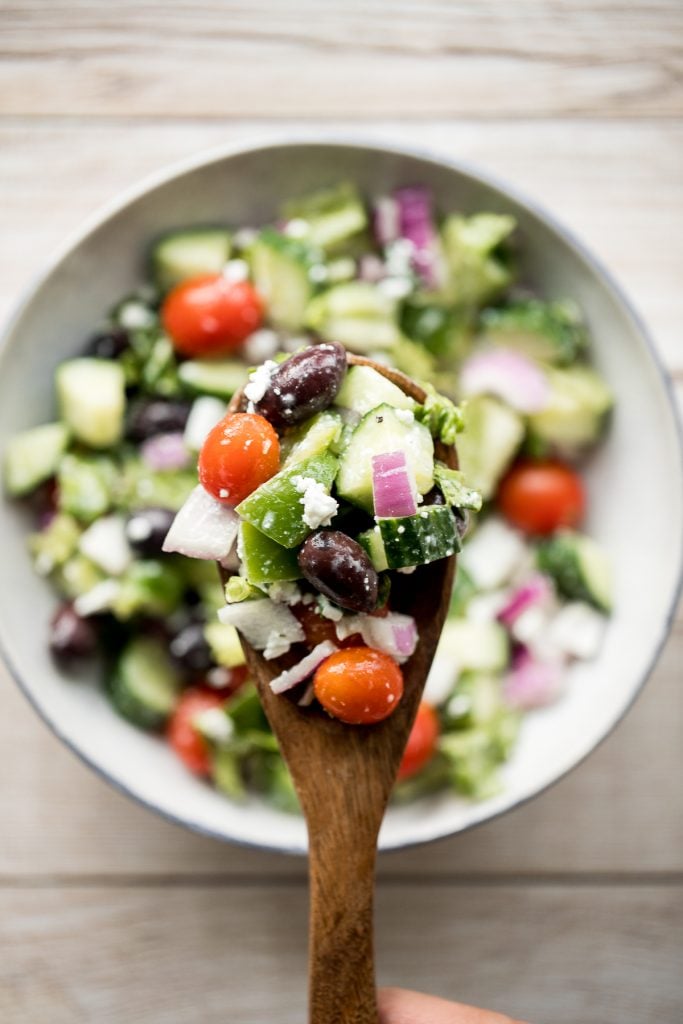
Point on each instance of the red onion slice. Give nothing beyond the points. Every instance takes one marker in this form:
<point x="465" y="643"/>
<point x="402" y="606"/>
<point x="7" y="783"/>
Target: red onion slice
<point x="536" y="590"/>
<point x="532" y="683"/>
<point x="507" y="374"/>
<point x="203" y="528"/>
<point x="394" y="492"/>
<point x="165" y="452"/>
<point x="303" y="669"/>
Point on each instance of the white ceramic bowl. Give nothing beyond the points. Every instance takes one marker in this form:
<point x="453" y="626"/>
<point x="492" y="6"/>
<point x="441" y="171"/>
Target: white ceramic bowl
<point x="634" y="480"/>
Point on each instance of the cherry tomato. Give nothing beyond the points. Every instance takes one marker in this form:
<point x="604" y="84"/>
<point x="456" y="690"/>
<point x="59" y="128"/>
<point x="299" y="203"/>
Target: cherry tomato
<point x="359" y="685"/>
<point x="540" y="497"/>
<point x="240" y="454"/>
<point x="421" y="742"/>
<point x="187" y="742"/>
<point x="209" y="314"/>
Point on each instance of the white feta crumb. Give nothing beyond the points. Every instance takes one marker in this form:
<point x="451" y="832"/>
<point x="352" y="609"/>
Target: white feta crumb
<point x="245" y="237"/>
<point x="214" y="724"/>
<point x="578" y="630"/>
<point x="134" y="316"/>
<point x="406" y="416"/>
<point x="236" y="271"/>
<point x="259" y="380"/>
<point x="308" y="598"/>
<point x="105" y="543"/>
<point x="98" y="599"/>
<point x="278" y="644"/>
<point x="329" y="610"/>
<point x="319" y="506"/>
<point x="260" y="345"/>
<point x="205" y="413"/>
<point x="492" y="554"/>
<point x="284" y="592"/>
<point x="395" y="287"/>
<point x="296" y="228"/>
<point x="402" y="529"/>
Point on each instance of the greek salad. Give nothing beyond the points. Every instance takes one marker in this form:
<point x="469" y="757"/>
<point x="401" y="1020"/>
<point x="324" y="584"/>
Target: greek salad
<point x="112" y="483"/>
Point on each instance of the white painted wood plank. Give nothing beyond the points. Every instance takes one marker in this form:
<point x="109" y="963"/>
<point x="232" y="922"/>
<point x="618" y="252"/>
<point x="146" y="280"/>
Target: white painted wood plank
<point x="617" y="812"/>
<point x="552" y="954"/>
<point x="618" y="187"/>
<point x="358" y="58"/>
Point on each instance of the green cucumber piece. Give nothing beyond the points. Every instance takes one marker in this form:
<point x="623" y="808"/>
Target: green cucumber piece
<point x="77" y="576"/>
<point x="551" y="332"/>
<point x="218" y="377"/>
<point x="33" y="457"/>
<point x="357" y="314"/>
<point x="475" y="646"/>
<point x="92" y="400"/>
<point x="384" y="430"/>
<point x="53" y="546"/>
<point x="425" y="537"/>
<point x="86" y="486"/>
<point x="264" y="560"/>
<point x="144" y="685"/>
<point x="371" y="540"/>
<point x="280" y="268"/>
<point x="472" y="246"/>
<point x="276" y="508"/>
<point x="330" y="216"/>
<point x="580" y="568"/>
<point x="179" y="255"/>
<point x="314" y="437"/>
<point x="149" y="587"/>
<point x="364" y="389"/>
<point x="493" y="433"/>
<point x="139" y="487"/>
<point x="578" y="411"/>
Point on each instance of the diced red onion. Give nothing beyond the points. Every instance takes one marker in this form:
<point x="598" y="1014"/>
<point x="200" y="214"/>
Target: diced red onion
<point x="394" y="634"/>
<point x="417" y="225"/>
<point x="386" y="220"/>
<point x="165" y="452"/>
<point x="371" y="268"/>
<point x="303" y="669"/>
<point x="203" y="528"/>
<point x="531" y="683"/>
<point x="393" y="489"/>
<point x="507" y="374"/>
<point x="536" y="590"/>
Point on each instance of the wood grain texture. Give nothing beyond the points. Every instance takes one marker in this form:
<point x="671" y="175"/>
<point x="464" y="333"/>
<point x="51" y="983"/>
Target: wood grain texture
<point x="544" y="953"/>
<point x="359" y="58"/>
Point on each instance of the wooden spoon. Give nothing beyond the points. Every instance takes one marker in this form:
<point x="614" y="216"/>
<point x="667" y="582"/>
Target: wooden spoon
<point x="343" y="776"/>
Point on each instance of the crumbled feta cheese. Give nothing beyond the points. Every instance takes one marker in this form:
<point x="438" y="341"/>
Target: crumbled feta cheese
<point x="319" y="506"/>
<point x="485" y="607"/>
<point x="278" y="644"/>
<point x="406" y="416"/>
<point x="105" y="543"/>
<point x="205" y="413"/>
<point x="492" y="554"/>
<point x="214" y="724"/>
<point x="284" y="592"/>
<point x="134" y="316"/>
<point x="99" y="599"/>
<point x="260" y="345"/>
<point x="236" y="271"/>
<point x="244" y="238"/>
<point x="395" y="287"/>
<point x="329" y="610"/>
<point x="259" y="380"/>
<point x="578" y="630"/>
<point x="399" y="257"/>
<point x="296" y="228"/>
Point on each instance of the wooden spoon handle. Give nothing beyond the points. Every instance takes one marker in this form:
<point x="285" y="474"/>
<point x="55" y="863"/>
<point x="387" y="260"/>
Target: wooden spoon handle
<point x="341" y="957"/>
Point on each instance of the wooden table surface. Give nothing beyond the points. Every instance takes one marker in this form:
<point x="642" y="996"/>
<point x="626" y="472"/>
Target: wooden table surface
<point x="567" y="911"/>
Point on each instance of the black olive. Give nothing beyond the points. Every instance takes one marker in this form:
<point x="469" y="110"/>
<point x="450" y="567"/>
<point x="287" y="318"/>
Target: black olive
<point x="190" y="649"/>
<point x="108" y="344"/>
<point x="341" y="569"/>
<point x="157" y="416"/>
<point x="146" y="530"/>
<point x="304" y="384"/>
<point x="71" y="636"/>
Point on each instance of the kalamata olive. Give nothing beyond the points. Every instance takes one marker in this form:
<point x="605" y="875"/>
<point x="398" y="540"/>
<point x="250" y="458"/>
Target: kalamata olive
<point x="304" y="384"/>
<point x="109" y="344"/>
<point x="146" y="530"/>
<point x="340" y="568"/>
<point x="71" y="637"/>
<point x="157" y="416"/>
<point x="190" y="649"/>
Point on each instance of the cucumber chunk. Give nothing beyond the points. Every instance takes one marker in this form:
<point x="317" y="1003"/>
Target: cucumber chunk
<point x="357" y="315"/>
<point x="92" y="400"/>
<point x="86" y="485"/>
<point x="475" y="646"/>
<point x="329" y="216"/>
<point x="371" y="540"/>
<point x="280" y="267"/>
<point x="578" y="411"/>
<point x="149" y="587"/>
<point x="144" y="685"/>
<point x="276" y="508"/>
<point x="580" y="568"/>
<point x="364" y="389"/>
<point x="182" y="254"/>
<point x="384" y="430"/>
<point x="551" y="332"/>
<point x="218" y="377"/>
<point x="415" y="540"/>
<point x="472" y="246"/>
<point x="492" y="435"/>
<point x="54" y="545"/>
<point x="33" y="457"/>
<point x="264" y="561"/>
<point x="313" y="437"/>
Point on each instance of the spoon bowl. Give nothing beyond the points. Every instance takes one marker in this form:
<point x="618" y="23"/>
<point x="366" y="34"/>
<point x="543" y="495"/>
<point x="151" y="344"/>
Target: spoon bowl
<point x="343" y="775"/>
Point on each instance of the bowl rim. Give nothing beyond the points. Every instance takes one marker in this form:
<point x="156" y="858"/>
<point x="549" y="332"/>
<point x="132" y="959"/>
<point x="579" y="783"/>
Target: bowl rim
<point x="394" y="147"/>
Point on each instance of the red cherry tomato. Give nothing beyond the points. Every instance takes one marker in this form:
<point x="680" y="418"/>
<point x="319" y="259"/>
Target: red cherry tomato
<point x="209" y="314"/>
<point x="240" y="454"/>
<point x="421" y="742"/>
<point x="187" y="742"/>
<point x="541" y="497"/>
<point x="359" y="685"/>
